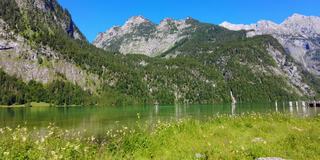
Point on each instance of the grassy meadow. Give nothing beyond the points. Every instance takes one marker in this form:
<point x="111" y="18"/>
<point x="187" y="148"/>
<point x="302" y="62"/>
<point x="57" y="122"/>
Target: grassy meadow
<point x="247" y="136"/>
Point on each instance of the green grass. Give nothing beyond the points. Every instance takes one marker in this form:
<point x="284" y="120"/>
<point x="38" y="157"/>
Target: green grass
<point x="220" y="137"/>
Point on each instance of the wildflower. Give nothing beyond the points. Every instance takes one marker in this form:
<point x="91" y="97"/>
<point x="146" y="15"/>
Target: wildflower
<point x="297" y="129"/>
<point x="199" y="155"/>
<point x="50" y="133"/>
<point x="258" y="140"/>
<point x="76" y="147"/>
<point x="6" y="153"/>
<point x="24" y="139"/>
<point x="138" y="115"/>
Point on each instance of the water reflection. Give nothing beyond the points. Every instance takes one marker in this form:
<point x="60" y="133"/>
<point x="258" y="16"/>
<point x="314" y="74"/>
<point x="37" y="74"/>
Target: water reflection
<point x="294" y="108"/>
<point x="156" y="109"/>
<point x="100" y="118"/>
<point x="233" y="108"/>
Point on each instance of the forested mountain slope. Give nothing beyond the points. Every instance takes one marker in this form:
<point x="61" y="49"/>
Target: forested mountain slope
<point x="298" y="34"/>
<point x="42" y="51"/>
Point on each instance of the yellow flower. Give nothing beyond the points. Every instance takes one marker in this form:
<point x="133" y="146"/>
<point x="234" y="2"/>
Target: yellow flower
<point x="24" y="139"/>
<point x="76" y="147"/>
<point x="42" y="139"/>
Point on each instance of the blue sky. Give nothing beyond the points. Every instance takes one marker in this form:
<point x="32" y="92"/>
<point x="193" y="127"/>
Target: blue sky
<point x="94" y="16"/>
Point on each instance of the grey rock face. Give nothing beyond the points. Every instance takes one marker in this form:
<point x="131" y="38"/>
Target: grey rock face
<point x="46" y="6"/>
<point x="140" y="36"/>
<point x="299" y="35"/>
<point x="291" y="71"/>
<point x="42" y="65"/>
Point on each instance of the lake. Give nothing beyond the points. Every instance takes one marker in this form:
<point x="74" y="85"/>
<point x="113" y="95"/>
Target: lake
<point x="99" y="119"/>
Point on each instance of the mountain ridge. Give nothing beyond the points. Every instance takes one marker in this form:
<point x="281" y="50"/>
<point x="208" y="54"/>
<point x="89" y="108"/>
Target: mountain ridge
<point x="299" y="35"/>
<point x="189" y="62"/>
<point x="200" y="36"/>
<point x="171" y="31"/>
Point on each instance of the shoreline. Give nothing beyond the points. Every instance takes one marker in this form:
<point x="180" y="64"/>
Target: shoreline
<point x="32" y="104"/>
<point x="38" y="104"/>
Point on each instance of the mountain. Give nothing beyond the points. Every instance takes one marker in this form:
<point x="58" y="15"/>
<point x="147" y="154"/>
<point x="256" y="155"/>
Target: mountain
<point x="52" y="12"/>
<point x="141" y="36"/>
<point x="29" y="30"/>
<point x="44" y="57"/>
<point x="191" y="38"/>
<point x="299" y="35"/>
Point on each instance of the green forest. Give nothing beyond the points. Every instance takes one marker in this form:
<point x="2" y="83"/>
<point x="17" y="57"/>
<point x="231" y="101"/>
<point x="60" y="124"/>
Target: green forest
<point x="14" y="91"/>
<point x="214" y="63"/>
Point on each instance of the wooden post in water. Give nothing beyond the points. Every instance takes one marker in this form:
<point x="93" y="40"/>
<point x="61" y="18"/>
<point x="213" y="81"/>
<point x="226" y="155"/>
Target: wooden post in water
<point x="290" y="107"/>
<point x="303" y="103"/>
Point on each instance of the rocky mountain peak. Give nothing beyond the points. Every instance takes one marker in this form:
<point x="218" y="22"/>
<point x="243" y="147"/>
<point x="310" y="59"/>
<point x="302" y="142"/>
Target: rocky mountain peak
<point x="137" y="20"/>
<point x="236" y="27"/>
<point x="298" y="34"/>
<point x="166" y="24"/>
<point x="190" y="20"/>
<point x="266" y="23"/>
<point x="51" y="12"/>
<point x="140" y="35"/>
<point x="166" y="21"/>
<point x="297" y="18"/>
<point x="305" y="25"/>
<point x="297" y="15"/>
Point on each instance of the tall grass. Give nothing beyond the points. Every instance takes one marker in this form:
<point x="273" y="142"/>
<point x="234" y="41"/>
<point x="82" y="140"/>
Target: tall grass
<point x="221" y="137"/>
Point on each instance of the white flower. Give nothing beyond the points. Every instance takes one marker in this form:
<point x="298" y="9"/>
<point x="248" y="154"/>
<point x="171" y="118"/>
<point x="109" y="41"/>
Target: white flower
<point x="6" y="153"/>
<point x="24" y="139"/>
<point x="199" y="155"/>
<point x="42" y="139"/>
<point x="76" y="147"/>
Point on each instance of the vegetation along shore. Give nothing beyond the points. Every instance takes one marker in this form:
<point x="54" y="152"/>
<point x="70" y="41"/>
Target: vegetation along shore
<point x="246" y="136"/>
